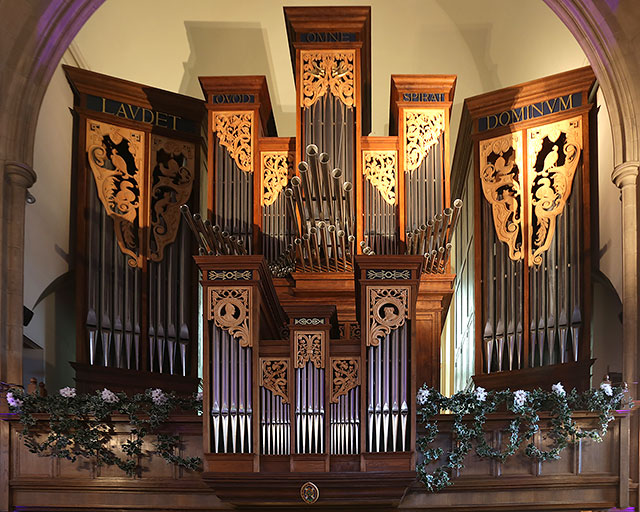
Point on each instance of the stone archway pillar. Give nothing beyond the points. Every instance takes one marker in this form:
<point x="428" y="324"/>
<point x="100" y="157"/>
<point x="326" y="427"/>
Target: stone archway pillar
<point x="625" y="177"/>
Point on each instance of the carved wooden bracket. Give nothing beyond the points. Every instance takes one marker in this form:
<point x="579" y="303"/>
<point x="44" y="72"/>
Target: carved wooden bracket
<point x="328" y="70"/>
<point x="230" y="308"/>
<point x="422" y="128"/>
<point x="344" y="376"/>
<point x="380" y="168"/>
<point x="387" y="310"/>
<point x="235" y="132"/>
<point x="276" y="168"/>
<point x="274" y="376"/>
<point x="310" y="346"/>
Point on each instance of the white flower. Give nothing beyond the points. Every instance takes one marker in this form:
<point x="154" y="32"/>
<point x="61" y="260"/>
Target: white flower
<point x="481" y="394"/>
<point x="14" y="402"/>
<point x="109" y="396"/>
<point x="199" y="396"/>
<point x="68" y="392"/>
<point x="158" y="397"/>
<point x="606" y="388"/>
<point x="422" y="396"/>
<point x="520" y="397"/>
<point x="558" y="389"/>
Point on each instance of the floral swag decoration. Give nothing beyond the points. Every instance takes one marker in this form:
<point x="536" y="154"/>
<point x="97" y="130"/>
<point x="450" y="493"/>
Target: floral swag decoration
<point x="80" y="425"/>
<point x="470" y="409"/>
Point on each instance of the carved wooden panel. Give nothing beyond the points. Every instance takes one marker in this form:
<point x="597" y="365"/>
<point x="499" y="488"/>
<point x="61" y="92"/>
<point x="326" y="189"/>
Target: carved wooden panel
<point x="380" y="168"/>
<point x="274" y="376"/>
<point x="235" y="132"/>
<point x="422" y="128"/>
<point x="276" y="167"/>
<point x="328" y="70"/>
<point x="387" y="310"/>
<point x="344" y="376"/>
<point x="229" y="308"/>
<point x="310" y="346"/>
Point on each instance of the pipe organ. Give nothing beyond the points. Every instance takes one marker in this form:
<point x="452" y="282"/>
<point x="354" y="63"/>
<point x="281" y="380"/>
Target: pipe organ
<point x="137" y="160"/>
<point x="532" y="230"/>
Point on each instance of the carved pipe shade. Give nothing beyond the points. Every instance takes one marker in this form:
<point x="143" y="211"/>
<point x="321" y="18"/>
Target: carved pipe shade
<point x="310" y="346"/>
<point x="235" y="133"/>
<point x="422" y="128"/>
<point x="380" y="168"/>
<point x="229" y="307"/>
<point x="388" y="308"/>
<point x="276" y="168"/>
<point x="274" y="376"/>
<point x="328" y="70"/>
<point x="553" y="155"/>
<point x="344" y="375"/>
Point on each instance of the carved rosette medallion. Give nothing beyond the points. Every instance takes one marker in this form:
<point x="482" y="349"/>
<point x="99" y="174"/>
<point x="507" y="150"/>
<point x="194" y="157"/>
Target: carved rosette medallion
<point x="274" y="376"/>
<point x="553" y="155"/>
<point x="309" y="493"/>
<point x="345" y="375"/>
<point x="422" y="129"/>
<point x="388" y="309"/>
<point x="116" y="157"/>
<point x="501" y="178"/>
<point x="309" y="346"/>
<point x="229" y="308"/>
<point x="172" y="165"/>
<point x="235" y="132"/>
<point x="379" y="167"/>
<point x="328" y="70"/>
<point x="276" y="168"/>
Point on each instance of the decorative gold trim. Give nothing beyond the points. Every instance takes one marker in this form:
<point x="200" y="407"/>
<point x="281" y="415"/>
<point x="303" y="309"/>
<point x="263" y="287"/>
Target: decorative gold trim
<point x="388" y="308"/>
<point x="328" y="70"/>
<point x="554" y="153"/>
<point x="380" y="167"/>
<point x="274" y="376"/>
<point x="172" y="173"/>
<point x="276" y="167"/>
<point x="344" y="376"/>
<point x="422" y="128"/>
<point x="502" y="181"/>
<point x="309" y="346"/>
<point x="230" y="308"/>
<point x="235" y="132"/>
<point x="116" y="157"/>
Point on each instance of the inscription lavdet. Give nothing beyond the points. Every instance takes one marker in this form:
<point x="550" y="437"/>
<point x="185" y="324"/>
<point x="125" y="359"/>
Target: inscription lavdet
<point x="141" y="114"/>
<point x="542" y="108"/>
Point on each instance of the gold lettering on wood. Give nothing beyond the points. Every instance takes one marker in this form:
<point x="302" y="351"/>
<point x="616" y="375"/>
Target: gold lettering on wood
<point x="172" y="168"/>
<point x="553" y="155"/>
<point x="328" y="70"/>
<point x="276" y="168"/>
<point x="235" y="132"/>
<point x="422" y="129"/>
<point x="387" y="308"/>
<point x="344" y="376"/>
<point x="380" y="167"/>
<point x="501" y="178"/>
<point x="116" y="156"/>
<point x="309" y="346"/>
<point x="274" y="376"/>
<point x="230" y="309"/>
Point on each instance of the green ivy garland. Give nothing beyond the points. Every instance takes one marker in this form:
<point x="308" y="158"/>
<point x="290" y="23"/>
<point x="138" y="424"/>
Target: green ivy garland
<point x="81" y="426"/>
<point x="469" y="411"/>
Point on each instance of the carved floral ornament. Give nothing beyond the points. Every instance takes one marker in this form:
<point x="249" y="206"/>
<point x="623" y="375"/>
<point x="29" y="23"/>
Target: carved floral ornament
<point x="553" y="155"/>
<point x="422" y="129"/>
<point x="230" y="309"/>
<point x="235" y="132"/>
<point x="379" y="167"/>
<point x="309" y="347"/>
<point x="388" y="309"/>
<point x="345" y="375"/>
<point x="328" y="70"/>
<point x="274" y="376"/>
<point x="276" y="168"/>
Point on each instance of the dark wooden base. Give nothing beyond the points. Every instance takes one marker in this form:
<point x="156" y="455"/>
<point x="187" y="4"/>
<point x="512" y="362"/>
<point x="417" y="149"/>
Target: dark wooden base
<point x="370" y="491"/>
<point x="571" y="375"/>
<point x="90" y="378"/>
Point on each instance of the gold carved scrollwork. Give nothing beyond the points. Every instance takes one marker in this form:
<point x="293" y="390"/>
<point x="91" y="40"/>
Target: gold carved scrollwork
<point x="328" y="70"/>
<point x="379" y="167"/>
<point x="309" y="346"/>
<point x="276" y="168"/>
<point x="116" y="156"/>
<point x="345" y="375"/>
<point x="501" y="178"/>
<point x="230" y="308"/>
<point x="388" y="308"/>
<point x="172" y="165"/>
<point x="235" y="132"/>
<point x="553" y="155"/>
<point x="422" y="129"/>
<point x="274" y="376"/>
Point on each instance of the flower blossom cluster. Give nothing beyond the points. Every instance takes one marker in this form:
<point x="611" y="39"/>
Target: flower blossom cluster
<point x="109" y="396"/>
<point x="481" y="394"/>
<point x="13" y="401"/>
<point x="422" y="396"/>
<point x="158" y="397"/>
<point x="606" y="388"/>
<point x="199" y="396"/>
<point x="520" y="398"/>
<point x="68" y="392"/>
<point x="558" y="389"/>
